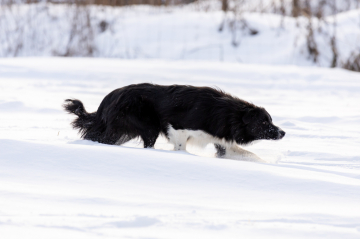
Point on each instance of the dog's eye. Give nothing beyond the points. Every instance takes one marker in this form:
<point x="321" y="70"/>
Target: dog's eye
<point x="265" y="122"/>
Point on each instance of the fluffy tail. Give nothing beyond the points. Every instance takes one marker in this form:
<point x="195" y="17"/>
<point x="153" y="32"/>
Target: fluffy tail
<point x="84" y="121"/>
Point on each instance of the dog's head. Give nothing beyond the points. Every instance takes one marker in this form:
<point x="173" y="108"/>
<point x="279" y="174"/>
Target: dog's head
<point x="258" y="125"/>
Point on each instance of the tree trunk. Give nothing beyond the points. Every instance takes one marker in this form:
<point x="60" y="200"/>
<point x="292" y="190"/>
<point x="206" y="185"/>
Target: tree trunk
<point x="295" y="8"/>
<point x="225" y="5"/>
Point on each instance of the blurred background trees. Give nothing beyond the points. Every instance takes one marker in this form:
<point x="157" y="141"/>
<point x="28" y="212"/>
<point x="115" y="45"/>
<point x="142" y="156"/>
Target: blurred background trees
<point x="90" y="28"/>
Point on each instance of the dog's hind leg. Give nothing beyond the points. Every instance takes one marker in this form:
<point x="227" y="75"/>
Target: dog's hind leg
<point x="149" y="138"/>
<point x="142" y="120"/>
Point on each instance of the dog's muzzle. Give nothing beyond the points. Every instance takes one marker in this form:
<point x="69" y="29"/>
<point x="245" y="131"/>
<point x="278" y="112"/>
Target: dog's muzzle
<point x="281" y="134"/>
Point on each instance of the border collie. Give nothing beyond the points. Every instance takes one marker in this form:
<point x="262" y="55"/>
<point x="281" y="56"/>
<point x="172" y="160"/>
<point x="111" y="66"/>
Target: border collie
<point x="183" y="114"/>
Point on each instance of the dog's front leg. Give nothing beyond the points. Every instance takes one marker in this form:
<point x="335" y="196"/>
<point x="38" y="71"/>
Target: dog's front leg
<point x="178" y="138"/>
<point x="237" y="153"/>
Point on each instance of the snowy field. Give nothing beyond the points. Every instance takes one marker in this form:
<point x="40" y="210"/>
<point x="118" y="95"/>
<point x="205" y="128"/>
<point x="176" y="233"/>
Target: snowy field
<point x="55" y="185"/>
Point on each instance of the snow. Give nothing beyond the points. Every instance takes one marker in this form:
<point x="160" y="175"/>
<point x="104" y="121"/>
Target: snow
<point x="55" y="185"/>
<point x="173" y="33"/>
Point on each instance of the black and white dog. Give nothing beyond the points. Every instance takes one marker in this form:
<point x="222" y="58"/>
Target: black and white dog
<point x="183" y="114"/>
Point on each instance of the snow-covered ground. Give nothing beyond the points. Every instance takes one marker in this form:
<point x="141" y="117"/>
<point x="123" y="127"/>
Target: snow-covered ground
<point x="54" y="185"/>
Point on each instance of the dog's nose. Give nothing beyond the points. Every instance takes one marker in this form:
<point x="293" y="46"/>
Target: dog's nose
<point x="282" y="134"/>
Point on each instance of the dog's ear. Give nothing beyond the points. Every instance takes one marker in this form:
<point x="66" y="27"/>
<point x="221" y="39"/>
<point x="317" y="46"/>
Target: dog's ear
<point x="247" y="117"/>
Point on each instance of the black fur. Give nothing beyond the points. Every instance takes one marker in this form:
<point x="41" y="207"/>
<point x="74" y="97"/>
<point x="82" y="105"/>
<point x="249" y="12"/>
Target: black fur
<point x="146" y="110"/>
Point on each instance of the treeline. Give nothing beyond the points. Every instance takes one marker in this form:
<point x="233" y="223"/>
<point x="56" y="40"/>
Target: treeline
<point x="293" y="8"/>
<point x="22" y="28"/>
<point x="104" y="2"/>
